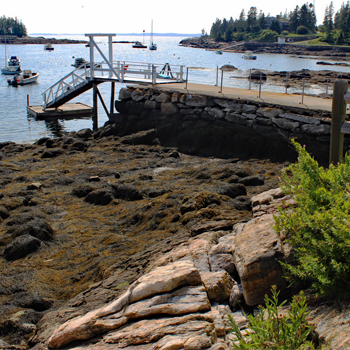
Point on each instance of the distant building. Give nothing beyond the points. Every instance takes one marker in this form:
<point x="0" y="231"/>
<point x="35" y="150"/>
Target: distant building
<point x="281" y="40"/>
<point x="283" y="22"/>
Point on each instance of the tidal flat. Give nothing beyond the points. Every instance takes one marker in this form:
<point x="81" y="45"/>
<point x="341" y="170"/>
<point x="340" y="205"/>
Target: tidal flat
<point x="76" y="209"/>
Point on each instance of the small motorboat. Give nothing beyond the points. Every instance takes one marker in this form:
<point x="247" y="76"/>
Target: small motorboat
<point x="218" y="52"/>
<point x="248" y="55"/>
<point x="48" y="47"/>
<point x="27" y="77"/>
<point x="81" y="62"/>
<point x="139" y="45"/>
<point x="13" y="61"/>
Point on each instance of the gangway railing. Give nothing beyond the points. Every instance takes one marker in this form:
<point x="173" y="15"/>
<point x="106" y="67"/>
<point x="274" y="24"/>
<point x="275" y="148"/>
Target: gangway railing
<point x="71" y="82"/>
<point x="118" y="71"/>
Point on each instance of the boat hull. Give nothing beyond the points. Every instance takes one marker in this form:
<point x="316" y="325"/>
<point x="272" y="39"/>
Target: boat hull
<point x="12" y="70"/>
<point x="23" y="81"/>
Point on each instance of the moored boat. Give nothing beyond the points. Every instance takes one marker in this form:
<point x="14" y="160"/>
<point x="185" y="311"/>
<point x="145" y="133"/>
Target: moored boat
<point x="139" y="45"/>
<point x="218" y="52"/>
<point x="27" y="77"/>
<point x="13" y="61"/>
<point x="11" y="70"/>
<point x="248" y="55"/>
<point x="81" y="62"/>
<point x="48" y="47"/>
<point x="12" y="65"/>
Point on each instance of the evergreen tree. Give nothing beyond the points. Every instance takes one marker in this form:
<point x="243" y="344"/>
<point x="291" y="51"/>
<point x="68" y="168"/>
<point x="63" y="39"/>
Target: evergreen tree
<point x="12" y="26"/>
<point x="252" y="17"/>
<point x="224" y="26"/>
<point x="216" y="29"/>
<point x="262" y="20"/>
<point x="229" y="34"/>
<point x="328" y="17"/>
<point x="276" y="26"/>
<point x="342" y="19"/>
<point x="241" y="23"/>
<point x="303" y="16"/>
<point x="294" y="19"/>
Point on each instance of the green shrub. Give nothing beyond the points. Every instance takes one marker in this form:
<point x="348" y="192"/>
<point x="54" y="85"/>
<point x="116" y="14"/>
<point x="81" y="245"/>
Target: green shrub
<point x="284" y="32"/>
<point x="319" y="227"/>
<point x="273" y="331"/>
<point x="268" y="36"/>
<point x="301" y="30"/>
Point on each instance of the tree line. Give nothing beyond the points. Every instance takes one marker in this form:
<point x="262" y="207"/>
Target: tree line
<point x="255" y="25"/>
<point x="336" y="26"/>
<point x="12" y="26"/>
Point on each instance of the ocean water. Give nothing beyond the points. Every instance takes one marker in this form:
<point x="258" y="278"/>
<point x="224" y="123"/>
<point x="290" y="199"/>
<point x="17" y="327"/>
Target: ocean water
<point x="202" y="65"/>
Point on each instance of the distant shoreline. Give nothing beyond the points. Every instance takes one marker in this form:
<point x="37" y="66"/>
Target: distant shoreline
<point x="38" y="41"/>
<point x="127" y="34"/>
<point x="41" y="39"/>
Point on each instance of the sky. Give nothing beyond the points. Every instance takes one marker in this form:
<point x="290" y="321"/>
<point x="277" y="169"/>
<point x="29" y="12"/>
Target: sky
<point x="180" y="16"/>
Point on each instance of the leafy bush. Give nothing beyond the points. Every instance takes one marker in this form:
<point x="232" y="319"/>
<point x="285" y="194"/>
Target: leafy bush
<point x="301" y="30"/>
<point x="268" y="36"/>
<point x="319" y="227"/>
<point x="328" y="38"/>
<point x="322" y="28"/>
<point x="273" y="331"/>
<point x="284" y="32"/>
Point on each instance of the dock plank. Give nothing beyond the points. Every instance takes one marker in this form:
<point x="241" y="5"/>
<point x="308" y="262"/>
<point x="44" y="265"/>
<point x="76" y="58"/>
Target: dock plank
<point x="68" y="110"/>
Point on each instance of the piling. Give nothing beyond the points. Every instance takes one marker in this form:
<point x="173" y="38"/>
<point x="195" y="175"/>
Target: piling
<point x="338" y="116"/>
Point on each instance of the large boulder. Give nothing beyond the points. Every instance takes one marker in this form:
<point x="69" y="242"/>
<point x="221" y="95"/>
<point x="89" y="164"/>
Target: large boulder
<point x="148" y="137"/>
<point x="171" y="290"/>
<point x="21" y="246"/>
<point x="257" y="252"/>
<point x="37" y="228"/>
<point x="101" y="196"/>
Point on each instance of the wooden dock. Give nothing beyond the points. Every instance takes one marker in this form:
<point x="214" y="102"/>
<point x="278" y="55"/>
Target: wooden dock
<point x="66" y="111"/>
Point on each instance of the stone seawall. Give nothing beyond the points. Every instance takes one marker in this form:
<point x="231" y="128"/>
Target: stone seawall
<point x="208" y="125"/>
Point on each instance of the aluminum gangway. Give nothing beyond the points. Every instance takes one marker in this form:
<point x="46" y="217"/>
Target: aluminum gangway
<point x="93" y="73"/>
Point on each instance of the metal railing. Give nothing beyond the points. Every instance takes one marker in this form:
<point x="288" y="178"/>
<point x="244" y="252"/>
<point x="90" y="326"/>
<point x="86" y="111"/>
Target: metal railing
<point x="251" y="80"/>
<point x="119" y="71"/>
<point x="76" y="79"/>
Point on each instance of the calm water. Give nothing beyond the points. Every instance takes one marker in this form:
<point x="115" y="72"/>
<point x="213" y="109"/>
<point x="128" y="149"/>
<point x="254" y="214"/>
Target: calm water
<point x="17" y="126"/>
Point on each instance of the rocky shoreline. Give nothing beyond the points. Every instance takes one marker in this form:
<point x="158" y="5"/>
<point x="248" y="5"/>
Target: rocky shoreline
<point x="332" y="53"/>
<point x="99" y="232"/>
<point x="38" y="41"/>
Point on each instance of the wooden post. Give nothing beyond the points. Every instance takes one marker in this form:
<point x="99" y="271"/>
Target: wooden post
<point x="112" y="97"/>
<point x="95" y="108"/>
<point x="338" y="116"/>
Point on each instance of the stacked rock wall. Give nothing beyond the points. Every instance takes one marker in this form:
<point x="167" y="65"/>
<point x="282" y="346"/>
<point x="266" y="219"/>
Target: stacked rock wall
<point x="208" y="125"/>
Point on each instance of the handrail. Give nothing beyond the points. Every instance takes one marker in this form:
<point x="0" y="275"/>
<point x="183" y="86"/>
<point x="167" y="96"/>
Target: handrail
<point x="119" y="70"/>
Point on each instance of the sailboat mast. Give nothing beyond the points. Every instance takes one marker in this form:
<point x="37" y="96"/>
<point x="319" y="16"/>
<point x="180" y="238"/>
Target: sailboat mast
<point x="152" y="32"/>
<point x="5" y="47"/>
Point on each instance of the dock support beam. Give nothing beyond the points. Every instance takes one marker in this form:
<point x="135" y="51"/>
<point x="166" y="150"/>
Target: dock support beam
<point x="112" y="97"/>
<point x="103" y="102"/>
<point x="95" y="107"/>
<point x="338" y="117"/>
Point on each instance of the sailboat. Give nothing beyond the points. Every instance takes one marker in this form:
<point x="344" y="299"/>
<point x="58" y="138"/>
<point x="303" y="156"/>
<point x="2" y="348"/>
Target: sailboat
<point x="152" y="45"/>
<point x="12" y="65"/>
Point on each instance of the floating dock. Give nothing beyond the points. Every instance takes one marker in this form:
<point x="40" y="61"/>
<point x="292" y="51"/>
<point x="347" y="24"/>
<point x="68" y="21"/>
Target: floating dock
<point x="66" y="111"/>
